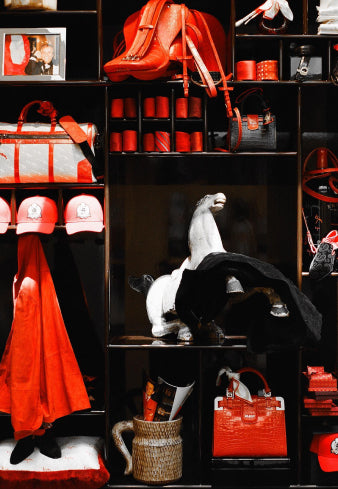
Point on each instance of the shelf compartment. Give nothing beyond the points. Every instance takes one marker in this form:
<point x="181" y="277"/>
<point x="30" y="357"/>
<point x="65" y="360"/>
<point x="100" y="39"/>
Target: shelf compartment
<point x="262" y="471"/>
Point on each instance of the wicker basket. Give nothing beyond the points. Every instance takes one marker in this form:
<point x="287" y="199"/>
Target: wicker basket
<point x="156" y="449"/>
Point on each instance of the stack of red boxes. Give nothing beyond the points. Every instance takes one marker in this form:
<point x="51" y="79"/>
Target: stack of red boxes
<point x="322" y="393"/>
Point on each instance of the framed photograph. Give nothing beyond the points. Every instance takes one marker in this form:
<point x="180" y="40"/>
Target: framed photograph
<point x="33" y="54"/>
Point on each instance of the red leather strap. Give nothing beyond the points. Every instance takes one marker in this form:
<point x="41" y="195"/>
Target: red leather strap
<point x="72" y="128"/>
<point x="16" y="162"/>
<point x="261" y="376"/>
<point x="308" y="235"/>
<point x="184" y="53"/>
<point x="240" y="129"/>
<point x="224" y="87"/>
<point x="330" y="173"/>
<point x="207" y="81"/>
<point x="146" y="28"/>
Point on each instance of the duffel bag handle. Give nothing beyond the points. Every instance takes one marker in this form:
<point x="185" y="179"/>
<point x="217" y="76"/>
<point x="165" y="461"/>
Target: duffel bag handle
<point x="254" y="371"/>
<point x="46" y="109"/>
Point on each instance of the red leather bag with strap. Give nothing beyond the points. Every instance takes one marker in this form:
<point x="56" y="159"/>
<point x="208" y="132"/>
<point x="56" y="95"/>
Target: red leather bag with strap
<point x="249" y="427"/>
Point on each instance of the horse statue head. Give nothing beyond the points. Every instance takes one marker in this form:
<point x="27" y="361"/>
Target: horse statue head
<point x="204" y="236"/>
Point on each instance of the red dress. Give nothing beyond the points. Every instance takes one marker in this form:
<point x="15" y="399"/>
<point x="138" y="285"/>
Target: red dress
<point x="40" y="379"/>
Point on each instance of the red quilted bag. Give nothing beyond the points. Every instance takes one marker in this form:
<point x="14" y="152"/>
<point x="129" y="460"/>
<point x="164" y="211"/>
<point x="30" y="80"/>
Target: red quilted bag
<point x="249" y="428"/>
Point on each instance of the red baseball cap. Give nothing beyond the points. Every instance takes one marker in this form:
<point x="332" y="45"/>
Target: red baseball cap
<point x="326" y="447"/>
<point x="83" y="213"/>
<point x="37" y="214"/>
<point x="5" y="215"/>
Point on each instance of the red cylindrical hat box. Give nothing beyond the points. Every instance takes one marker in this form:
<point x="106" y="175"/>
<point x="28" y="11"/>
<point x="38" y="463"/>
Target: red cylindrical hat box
<point x="162" y="141"/>
<point x="195" y="107"/>
<point x="267" y="70"/>
<point x="117" y="108"/>
<point x="129" y="140"/>
<point x="196" y="141"/>
<point x="149" y="107"/>
<point x="115" y="141"/>
<point x="162" y="107"/>
<point x="148" y="141"/>
<point x="181" y="111"/>
<point x="130" y="110"/>
<point x="182" y="142"/>
<point x="246" y="70"/>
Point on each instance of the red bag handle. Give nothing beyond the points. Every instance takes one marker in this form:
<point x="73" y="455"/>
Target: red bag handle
<point x="46" y="109"/>
<point x="254" y="371"/>
<point x="328" y="172"/>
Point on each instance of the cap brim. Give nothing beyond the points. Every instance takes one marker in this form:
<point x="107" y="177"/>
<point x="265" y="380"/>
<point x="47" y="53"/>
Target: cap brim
<point x="79" y="227"/>
<point x="35" y="227"/>
<point x="328" y="464"/>
<point x="3" y="227"/>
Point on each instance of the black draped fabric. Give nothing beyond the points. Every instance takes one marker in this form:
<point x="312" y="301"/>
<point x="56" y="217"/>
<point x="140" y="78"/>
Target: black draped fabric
<point x="201" y="297"/>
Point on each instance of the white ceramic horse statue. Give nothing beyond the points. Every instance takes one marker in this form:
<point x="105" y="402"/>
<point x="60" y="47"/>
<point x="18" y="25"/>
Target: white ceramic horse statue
<point x="203" y="238"/>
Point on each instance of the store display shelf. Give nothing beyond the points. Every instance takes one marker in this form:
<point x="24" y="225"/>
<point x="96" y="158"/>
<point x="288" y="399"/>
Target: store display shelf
<point x="149" y="342"/>
<point x="54" y="186"/>
<point x="63" y="83"/>
<point x="283" y="36"/>
<point x="282" y="82"/>
<point x="226" y="154"/>
<point x="48" y="12"/>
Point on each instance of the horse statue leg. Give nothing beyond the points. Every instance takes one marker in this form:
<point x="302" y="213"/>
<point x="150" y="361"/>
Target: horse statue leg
<point x="278" y="307"/>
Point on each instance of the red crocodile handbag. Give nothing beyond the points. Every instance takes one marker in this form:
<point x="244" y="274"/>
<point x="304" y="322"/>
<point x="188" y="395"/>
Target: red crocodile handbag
<point x="249" y="428"/>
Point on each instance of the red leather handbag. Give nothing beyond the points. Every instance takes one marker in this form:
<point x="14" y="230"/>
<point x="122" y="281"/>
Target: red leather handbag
<point x="252" y="427"/>
<point x="164" y="36"/>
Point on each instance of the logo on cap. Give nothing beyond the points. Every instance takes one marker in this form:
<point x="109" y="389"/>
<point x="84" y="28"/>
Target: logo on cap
<point x="34" y="211"/>
<point x="334" y="446"/>
<point x="83" y="211"/>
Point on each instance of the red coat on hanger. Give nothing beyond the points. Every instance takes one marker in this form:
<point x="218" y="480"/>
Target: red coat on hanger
<point x="40" y="380"/>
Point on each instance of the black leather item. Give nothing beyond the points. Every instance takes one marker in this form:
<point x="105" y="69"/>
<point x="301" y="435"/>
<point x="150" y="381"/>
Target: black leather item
<point x="48" y="446"/>
<point x="264" y="137"/>
<point x="22" y="450"/>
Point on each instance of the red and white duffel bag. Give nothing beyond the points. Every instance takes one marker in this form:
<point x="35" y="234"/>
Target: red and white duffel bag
<point x="59" y="151"/>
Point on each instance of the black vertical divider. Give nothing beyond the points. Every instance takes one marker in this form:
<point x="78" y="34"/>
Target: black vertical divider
<point x="100" y="40"/>
<point x="329" y="59"/>
<point x="280" y="61"/>
<point x="107" y="277"/>
<point x="305" y="17"/>
<point x="299" y="420"/>
<point x="205" y="121"/>
<point x="60" y="206"/>
<point x="232" y="34"/>
<point x="139" y="122"/>
<point x="172" y="119"/>
<point x="200" y="414"/>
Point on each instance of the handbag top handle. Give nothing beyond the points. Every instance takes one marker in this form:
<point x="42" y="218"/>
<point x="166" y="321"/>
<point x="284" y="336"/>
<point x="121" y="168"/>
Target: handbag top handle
<point x="254" y="371"/>
<point x="258" y="94"/>
<point x="46" y="109"/>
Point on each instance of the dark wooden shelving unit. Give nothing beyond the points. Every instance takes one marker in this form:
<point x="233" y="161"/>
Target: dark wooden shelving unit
<point x="148" y="201"/>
